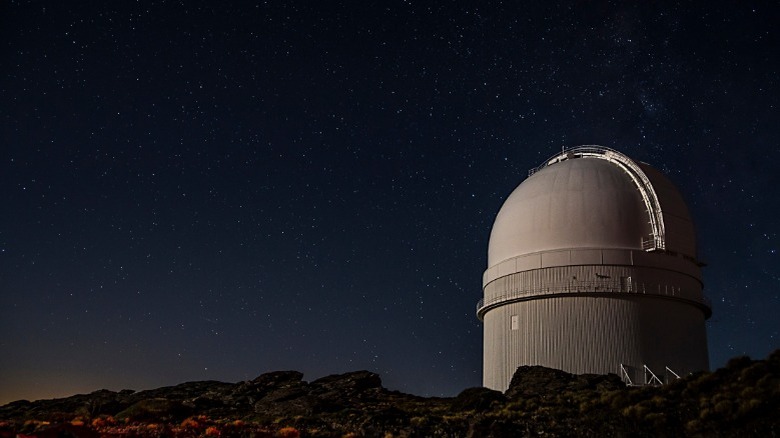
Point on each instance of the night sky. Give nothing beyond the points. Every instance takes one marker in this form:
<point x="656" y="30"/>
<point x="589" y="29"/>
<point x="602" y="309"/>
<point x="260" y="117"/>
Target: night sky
<point x="214" y="190"/>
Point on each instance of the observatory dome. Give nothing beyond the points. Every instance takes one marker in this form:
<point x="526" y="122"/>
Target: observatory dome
<point x="588" y="202"/>
<point x="592" y="268"/>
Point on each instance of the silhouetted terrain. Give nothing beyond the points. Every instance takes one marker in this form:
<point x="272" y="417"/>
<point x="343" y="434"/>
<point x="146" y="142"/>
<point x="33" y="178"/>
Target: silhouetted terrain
<point x="741" y="399"/>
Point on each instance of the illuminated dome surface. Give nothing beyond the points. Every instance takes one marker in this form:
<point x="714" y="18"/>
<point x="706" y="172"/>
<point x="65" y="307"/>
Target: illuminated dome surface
<point x="587" y="202"/>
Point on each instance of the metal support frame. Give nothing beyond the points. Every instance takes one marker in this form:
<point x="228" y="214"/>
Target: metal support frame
<point x="654" y="380"/>
<point x="624" y="375"/>
<point x="649" y="377"/>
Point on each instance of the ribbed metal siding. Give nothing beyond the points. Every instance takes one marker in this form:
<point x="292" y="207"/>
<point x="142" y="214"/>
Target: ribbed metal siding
<point x="593" y="335"/>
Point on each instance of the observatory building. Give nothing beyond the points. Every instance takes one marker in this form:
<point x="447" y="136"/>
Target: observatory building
<point x="592" y="269"/>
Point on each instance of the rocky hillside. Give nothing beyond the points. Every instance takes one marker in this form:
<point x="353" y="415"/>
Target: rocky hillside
<point x="742" y="399"/>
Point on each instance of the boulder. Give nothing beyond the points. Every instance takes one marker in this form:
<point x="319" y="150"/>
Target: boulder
<point x="530" y="381"/>
<point x="156" y="410"/>
<point x="477" y="399"/>
<point x="348" y="384"/>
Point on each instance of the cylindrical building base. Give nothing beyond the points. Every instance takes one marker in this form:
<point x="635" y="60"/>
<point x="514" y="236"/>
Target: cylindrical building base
<point x="594" y="334"/>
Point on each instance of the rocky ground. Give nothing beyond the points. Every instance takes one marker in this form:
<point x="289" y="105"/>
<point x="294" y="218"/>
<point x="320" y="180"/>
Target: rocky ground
<point x="742" y="399"/>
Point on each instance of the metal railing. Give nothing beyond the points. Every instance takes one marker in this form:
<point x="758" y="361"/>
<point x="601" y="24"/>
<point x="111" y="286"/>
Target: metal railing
<point x="577" y="151"/>
<point x="594" y="287"/>
<point x="649" y="244"/>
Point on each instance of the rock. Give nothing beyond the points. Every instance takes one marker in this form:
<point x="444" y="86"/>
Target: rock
<point x="478" y="399"/>
<point x="745" y="396"/>
<point x="156" y="410"/>
<point x="287" y="402"/>
<point x="15" y="408"/>
<point x="538" y="381"/>
<point x="339" y="391"/>
<point x="496" y="428"/>
<point x="184" y="391"/>
<point x="277" y="379"/>
<point x="277" y="394"/>
<point x="348" y="385"/>
<point x="385" y="419"/>
<point x="598" y="382"/>
<point x="285" y="394"/>
<point x="65" y="431"/>
<point x="530" y="381"/>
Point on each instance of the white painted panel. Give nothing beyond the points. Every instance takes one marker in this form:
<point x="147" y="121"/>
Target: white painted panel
<point x="616" y="257"/>
<point x="586" y="257"/>
<point x="555" y="258"/>
<point x="507" y="267"/>
<point x="531" y="261"/>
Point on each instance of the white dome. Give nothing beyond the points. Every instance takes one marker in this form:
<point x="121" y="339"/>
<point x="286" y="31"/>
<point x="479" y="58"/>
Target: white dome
<point x="588" y="202"/>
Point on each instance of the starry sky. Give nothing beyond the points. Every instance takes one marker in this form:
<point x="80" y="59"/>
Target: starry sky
<point x="213" y="190"/>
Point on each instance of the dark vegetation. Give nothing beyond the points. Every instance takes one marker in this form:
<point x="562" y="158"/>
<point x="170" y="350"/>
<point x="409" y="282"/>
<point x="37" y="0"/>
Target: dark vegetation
<point x="741" y="399"/>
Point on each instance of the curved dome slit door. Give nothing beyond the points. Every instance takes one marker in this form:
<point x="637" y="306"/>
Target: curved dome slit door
<point x="592" y="268"/>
